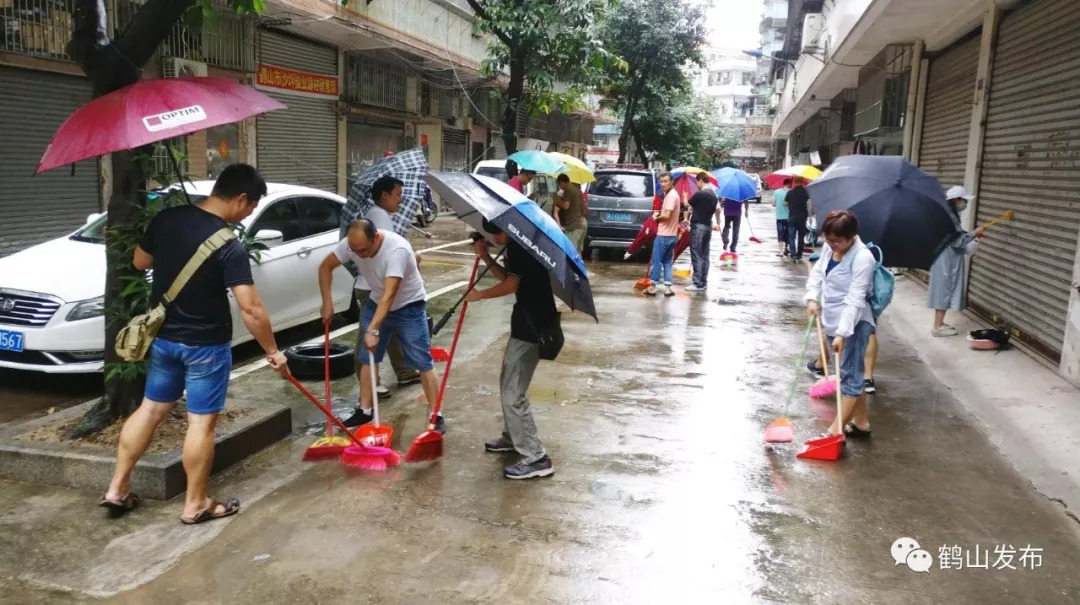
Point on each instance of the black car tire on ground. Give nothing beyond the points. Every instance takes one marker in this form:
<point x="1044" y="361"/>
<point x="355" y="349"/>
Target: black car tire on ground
<point x="306" y="361"/>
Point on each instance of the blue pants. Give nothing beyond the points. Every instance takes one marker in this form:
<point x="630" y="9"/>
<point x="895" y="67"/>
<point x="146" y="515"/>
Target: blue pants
<point x="781" y="231"/>
<point x="201" y="369"/>
<point x="409" y="324"/>
<point x="796" y="234"/>
<point x="663" y="255"/>
<point x="853" y="360"/>
<point x="700" y="237"/>
<point x="731" y="224"/>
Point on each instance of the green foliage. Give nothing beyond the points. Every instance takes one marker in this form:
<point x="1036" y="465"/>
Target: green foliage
<point x="679" y="127"/>
<point x="547" y="42"/>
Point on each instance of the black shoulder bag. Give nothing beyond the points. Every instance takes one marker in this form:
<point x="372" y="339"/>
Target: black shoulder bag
<point x="550" y="338"/>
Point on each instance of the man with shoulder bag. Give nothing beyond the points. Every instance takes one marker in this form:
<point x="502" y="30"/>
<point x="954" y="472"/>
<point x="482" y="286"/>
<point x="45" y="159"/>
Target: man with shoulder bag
<point x="187" y="335"/>
<point x="535" y="334"/>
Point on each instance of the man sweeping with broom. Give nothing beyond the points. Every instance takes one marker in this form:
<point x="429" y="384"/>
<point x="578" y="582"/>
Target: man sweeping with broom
<point x="396" y="307"/>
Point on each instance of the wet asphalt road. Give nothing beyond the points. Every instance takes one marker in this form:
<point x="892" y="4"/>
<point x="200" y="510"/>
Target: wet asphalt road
<point x="663" y="492"/>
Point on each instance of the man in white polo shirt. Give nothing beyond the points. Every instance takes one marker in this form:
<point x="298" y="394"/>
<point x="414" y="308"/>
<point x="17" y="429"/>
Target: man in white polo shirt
<point x="396" y="307"/>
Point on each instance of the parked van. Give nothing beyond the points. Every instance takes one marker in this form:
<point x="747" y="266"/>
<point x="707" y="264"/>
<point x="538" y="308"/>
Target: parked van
<point x="544" y="186"/>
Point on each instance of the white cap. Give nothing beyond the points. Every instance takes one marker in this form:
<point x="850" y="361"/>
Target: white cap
<point x="958" y="191"/>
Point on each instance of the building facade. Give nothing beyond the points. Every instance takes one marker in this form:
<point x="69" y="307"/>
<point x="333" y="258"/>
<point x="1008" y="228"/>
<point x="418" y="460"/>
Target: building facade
<point x="730" y="80"/>
<point x="358" y="81"/>
<point x="972" y="92"/>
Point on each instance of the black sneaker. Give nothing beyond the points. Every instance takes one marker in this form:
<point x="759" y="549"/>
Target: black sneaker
<point x="440" y="424"/>
<point x="384" y="392"/>
<point x="413" y="379"/>
<point x="359" y="417"/>
<point x="541" y="468"/>
<point x="498" y="445"/>
<point x="814" y="370"/>
<point x="869" y="387"/>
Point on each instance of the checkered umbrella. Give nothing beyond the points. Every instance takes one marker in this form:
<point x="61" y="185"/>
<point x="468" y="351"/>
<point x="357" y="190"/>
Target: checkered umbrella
<point x="409" y="166"/>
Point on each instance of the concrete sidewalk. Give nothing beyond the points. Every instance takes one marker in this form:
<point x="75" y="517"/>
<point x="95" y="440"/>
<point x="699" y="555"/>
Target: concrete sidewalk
<point x="1029" y="412"/>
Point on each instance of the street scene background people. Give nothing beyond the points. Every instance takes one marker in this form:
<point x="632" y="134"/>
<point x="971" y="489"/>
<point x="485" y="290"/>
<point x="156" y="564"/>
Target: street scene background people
<point x="800" y="209"/>
<point x="946" y="289"/>
<point x="781" y="207"/>
<point x="703" y="206"/>
<point x="572" y="215"/>
<point x="667" y="235"/>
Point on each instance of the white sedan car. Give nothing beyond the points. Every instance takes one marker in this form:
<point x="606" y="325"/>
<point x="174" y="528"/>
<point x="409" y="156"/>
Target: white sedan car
<point x="52" y="294"/>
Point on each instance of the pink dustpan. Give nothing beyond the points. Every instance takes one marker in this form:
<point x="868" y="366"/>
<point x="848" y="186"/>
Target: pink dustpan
<point x="780" y="431"/>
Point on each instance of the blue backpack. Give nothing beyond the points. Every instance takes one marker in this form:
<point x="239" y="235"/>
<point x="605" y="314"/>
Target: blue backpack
<point x="884" y="283"/>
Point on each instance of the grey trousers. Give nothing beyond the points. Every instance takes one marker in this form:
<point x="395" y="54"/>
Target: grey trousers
<point x="519" y="428"/>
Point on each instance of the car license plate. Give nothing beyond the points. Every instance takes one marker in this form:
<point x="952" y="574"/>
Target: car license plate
<point x="11" y="341"/>
<point x="618" y="217"/>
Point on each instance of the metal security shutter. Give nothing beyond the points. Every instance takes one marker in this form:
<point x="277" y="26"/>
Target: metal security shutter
<point x="367" y="143"/>
<point x="950" y="90"/>
<point x="299" y="145"/>
<point x="455" y="150"/>
<point x="498" y="147"/>
<point x="1021" y="275"/>
<point x="35" y="209"/>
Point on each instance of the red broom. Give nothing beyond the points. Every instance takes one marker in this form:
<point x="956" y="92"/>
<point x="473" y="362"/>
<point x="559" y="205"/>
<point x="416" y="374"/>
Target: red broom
<point x="357" y="455"/>
<point x="429" y="445"/>
<point x="329" y="446"/>
<point x="753" y="237"/>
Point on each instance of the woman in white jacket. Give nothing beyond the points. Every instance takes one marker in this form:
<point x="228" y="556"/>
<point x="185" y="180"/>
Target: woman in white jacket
<point x="838" y="290"/>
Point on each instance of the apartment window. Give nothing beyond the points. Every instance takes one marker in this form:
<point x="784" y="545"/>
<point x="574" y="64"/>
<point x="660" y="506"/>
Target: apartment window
<point x="747" y="78"/>
<point x="714" y="78"/>
<point x="725" y="78"/>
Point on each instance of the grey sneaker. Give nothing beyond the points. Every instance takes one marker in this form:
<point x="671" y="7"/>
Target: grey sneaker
<point x="411" y="379"/>
<point x="384" y="392"/>
<point x="498" y="445"/>
<point x="944" y="330"/>
<point x="541" y="468"/>
<point x="650" y="291"/>
<point x="668" y="291"/>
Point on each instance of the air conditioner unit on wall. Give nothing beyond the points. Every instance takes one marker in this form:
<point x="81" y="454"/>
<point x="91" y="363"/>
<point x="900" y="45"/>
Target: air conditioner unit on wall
<point x="813" y="32"/>
<point x="172" y="67"/>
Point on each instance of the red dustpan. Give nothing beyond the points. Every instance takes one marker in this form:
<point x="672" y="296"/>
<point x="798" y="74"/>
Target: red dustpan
<point x="831" y="447"/>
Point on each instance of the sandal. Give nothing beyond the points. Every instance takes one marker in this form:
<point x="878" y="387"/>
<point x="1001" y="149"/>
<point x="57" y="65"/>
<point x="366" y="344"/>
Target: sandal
<point x="121" y="506"/>
<point x="853" y="431"/>
<point x="231" y="506"/>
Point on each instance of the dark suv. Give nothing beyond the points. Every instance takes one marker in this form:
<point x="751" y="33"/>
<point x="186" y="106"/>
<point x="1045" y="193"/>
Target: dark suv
<point x="619" y="200"/>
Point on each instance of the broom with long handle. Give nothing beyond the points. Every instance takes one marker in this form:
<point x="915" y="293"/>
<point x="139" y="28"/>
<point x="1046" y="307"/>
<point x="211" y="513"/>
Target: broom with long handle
<point x="330" y="446"/>
<point x="780" y="431"/>
<point x="429" y="444"/>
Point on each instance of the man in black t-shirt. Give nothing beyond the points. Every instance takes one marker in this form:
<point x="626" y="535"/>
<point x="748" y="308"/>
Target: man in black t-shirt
<point x="703" y="206"/>
<point x="534" y="309"/>
<point x="193" y="349"/>
<point x="799" y="210"/>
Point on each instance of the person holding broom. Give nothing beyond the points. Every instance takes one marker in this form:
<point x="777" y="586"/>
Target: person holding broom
<point x="842" y="280"/>
<point x="529" y="282"/>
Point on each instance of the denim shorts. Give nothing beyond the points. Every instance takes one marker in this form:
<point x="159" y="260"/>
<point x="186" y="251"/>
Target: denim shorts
<point x="853" y="360"/>
<point x="410" y="325"/>
<point x="781" y="230"/>
<point x="201" y="369"/>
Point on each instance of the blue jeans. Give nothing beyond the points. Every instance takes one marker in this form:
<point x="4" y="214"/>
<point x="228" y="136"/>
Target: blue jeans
<point x="409" y="323"/>
<point x="663" y="255"/>
<point x="781" y="231"/>
<point x="700" y="237"/>
<point x="796" y="234"/>
<point x="202" y="369"/>
<point x="853" y="360"/>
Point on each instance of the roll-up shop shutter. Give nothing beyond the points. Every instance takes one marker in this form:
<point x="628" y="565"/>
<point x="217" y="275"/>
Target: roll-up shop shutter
<point x="1021" y="275"/>
<point x="455" y="150"/>
<point x="34" y="209"/>
<point x="950" y="91"/>
<point x="299" y="145"/>
<point x="366" y="143"/>
<point x="498" y="147"/>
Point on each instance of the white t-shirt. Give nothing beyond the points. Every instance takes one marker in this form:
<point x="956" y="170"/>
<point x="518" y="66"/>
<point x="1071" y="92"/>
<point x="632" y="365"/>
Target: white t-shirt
<point x="381" y="219"/>
<point x="395" y="258"/>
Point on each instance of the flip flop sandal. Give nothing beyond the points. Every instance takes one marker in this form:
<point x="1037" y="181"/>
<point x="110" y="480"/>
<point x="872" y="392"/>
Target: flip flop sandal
<point x="853" y="431"/>
<point x="121" y="506"/>
<point x="231" y="506"/>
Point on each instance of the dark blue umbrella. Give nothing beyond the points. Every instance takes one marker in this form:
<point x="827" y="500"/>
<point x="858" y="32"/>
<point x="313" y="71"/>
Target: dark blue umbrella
<point x="900" y="208"/>
<point x="475" y="198"/>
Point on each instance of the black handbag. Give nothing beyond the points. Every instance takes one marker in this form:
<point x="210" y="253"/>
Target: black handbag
<point x="550" y="338"/>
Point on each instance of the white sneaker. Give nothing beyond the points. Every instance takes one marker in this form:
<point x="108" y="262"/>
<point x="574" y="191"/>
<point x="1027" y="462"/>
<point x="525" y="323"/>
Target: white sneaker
<point x="944" y="330"/>
<point x="668" y="291"/>
<point x="694" y="289"/>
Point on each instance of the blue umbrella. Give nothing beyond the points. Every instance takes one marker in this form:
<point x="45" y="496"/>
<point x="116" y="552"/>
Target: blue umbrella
<point x="538" y="161"/>
<point x="900" y="208"/>
<point x="475" y="198"/>
<point x="734" y="184"/>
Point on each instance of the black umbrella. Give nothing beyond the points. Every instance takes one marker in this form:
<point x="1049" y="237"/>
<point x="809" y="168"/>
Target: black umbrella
<point x="900" y="208"/>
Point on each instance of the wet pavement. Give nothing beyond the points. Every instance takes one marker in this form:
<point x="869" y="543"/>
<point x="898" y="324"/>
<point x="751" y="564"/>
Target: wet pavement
<point x="663" y="490"/>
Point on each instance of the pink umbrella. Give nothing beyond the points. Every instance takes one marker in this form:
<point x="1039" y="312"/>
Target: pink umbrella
<point x="149" y="111"/>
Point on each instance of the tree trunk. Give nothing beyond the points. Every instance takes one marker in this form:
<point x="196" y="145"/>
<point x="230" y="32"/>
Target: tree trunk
<point x="110" y="66"/>
<point x="631" y="108"/>
<point x="515" y="96"/>
<point x="640" y="148"/>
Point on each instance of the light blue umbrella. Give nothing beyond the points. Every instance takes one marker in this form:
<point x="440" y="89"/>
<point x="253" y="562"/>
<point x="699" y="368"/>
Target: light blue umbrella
<point x="734" y="184"/>
<point x="538" y="161"/>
